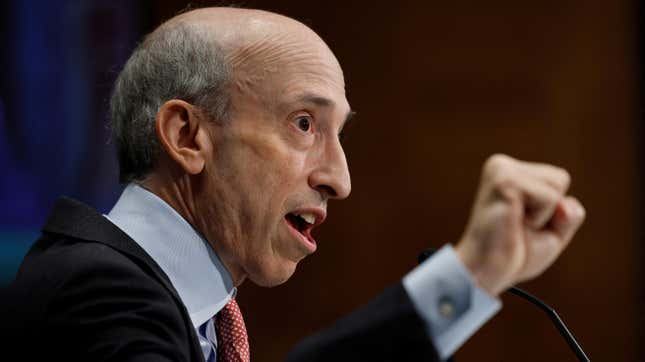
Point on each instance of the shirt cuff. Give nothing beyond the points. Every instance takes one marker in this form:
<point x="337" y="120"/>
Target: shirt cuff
<point x="445" y="295"/>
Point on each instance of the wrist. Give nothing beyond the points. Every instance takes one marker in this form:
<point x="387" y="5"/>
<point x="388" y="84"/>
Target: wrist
<point x="479" y="272"/>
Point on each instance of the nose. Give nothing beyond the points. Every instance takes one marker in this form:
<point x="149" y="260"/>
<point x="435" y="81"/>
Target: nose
<point x="331" y="176"/>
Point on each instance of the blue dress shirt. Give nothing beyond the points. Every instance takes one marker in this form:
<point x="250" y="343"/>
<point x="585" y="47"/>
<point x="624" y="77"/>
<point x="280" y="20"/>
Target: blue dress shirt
<point x="441" y="288"/>
<point x="201" y="280"/>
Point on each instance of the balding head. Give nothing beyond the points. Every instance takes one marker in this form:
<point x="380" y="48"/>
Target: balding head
<point x="248" y="35"/>
<point x="203" y="56"/>
<point x="257" y="44"/>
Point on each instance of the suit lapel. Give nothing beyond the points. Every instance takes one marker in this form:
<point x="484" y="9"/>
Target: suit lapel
<point x="75" y="219"/>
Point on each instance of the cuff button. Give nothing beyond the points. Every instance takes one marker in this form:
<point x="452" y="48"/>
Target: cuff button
<point x="446" y="307"/>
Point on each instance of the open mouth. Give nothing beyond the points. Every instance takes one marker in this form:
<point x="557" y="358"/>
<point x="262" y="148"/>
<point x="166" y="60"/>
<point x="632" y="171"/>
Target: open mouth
<point x="303" y="223"/>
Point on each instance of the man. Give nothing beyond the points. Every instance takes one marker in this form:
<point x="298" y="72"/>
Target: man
<point x="227" y="126"/>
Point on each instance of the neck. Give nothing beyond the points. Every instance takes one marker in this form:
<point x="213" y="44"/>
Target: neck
<point x="180" y="194"/>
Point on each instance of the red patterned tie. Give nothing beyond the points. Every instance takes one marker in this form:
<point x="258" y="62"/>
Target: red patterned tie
<point x="232" y="341"/>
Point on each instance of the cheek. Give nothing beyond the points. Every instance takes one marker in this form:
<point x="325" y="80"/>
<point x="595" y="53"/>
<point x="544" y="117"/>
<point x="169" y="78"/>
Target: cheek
<point x="272" y="166"/>
<point x="258" y="174"/>
<point x="256" y="177"/>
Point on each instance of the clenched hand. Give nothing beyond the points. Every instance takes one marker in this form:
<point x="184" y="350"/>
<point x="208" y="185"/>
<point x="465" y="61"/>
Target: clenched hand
<point x="521" y="221"/>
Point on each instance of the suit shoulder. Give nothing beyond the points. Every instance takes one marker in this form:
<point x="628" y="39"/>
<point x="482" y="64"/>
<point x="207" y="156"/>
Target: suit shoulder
<point x="100" y="298"/>
<point x="57" y="267"/>
<point x="55" y="258"/>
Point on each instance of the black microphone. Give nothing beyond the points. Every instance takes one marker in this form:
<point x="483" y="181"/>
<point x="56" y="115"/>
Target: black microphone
<point x="553" y="315"/>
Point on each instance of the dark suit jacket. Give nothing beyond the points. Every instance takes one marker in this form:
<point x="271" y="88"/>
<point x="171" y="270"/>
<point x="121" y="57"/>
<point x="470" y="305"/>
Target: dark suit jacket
<point x="87" y="292"/>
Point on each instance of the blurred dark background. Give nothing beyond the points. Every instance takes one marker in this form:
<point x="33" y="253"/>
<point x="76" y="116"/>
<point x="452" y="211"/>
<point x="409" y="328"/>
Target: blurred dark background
<point x="438" y="86"/>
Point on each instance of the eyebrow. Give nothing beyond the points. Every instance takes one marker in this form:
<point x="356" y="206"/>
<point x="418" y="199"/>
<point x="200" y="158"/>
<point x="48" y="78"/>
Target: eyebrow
<point x="325" y="103"/>
<point x="317" y="100"/>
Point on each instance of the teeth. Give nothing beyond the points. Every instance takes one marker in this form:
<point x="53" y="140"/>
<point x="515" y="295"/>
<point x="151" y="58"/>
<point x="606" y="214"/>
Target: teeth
<point x="309" y="218"/>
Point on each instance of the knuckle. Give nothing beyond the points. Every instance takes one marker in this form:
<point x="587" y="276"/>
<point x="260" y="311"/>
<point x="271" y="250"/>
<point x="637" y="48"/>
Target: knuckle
<point x="564" y="177"/>
<point x="497" y="166"/>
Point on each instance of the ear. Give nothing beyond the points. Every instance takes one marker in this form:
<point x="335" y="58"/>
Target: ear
<point x="182" y="134"/>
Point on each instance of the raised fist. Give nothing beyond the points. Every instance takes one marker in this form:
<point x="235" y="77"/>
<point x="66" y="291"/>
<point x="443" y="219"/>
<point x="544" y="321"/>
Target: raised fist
<point x="521" y="221"/>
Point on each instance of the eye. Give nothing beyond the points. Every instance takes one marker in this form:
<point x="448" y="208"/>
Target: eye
<point x="304" y="123"/>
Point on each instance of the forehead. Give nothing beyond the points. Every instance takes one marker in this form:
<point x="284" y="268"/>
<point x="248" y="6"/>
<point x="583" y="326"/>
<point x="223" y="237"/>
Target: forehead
<point x="289" y="67"/>
<point x="313" y="84"/>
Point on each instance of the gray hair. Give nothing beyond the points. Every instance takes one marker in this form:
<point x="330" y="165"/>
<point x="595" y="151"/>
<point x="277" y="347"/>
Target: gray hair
<point x="178" y="61"/>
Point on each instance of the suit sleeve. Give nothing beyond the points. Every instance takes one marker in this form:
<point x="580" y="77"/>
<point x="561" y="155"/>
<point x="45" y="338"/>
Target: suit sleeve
<point x="386" y="329"/>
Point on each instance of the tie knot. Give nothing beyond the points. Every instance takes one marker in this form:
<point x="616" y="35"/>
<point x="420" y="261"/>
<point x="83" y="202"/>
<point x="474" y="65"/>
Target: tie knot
<point x="232" y="340"/>
<point x="231" y="310"/>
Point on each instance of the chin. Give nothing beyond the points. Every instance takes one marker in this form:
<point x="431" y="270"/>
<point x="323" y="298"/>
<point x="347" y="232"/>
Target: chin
<point x="273" y="275"/>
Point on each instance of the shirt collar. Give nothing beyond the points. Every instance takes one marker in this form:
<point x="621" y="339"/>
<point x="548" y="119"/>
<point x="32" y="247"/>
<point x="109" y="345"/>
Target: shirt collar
<point x="203" y="283"/>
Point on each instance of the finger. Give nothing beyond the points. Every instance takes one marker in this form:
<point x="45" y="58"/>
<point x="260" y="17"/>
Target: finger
<point x="554" y="176"/>
<point x="567" y="218"/>
<point x="540" y="201"/>
<point x="544" y="246"/>
<point x="542" y="249"/>
<point x="510" y="178"/>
